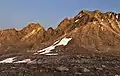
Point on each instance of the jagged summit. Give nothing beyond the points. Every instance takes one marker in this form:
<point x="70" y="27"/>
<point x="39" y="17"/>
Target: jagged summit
<point x="90" y="31"/>
<point x="31" y="27"/>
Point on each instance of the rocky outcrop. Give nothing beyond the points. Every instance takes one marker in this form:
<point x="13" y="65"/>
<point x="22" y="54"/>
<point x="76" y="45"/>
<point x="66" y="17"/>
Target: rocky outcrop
<point x="32" y="33"/>
<point x="8" y="35"/>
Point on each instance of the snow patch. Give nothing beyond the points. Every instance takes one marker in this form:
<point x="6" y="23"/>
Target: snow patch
<point x="51" y="54"/>
<point x="35" y="53"/>
<point x="110" y="14"/>
<point x="56" y="42"/>
<point x="80" y="15"/>
<point x="24" y="61"/>
<point x="102" y="19"/>
<point x="64" y="41"/>
<point x="8" y="60"/>
<point x="77" y="20"/>
<point x="47" y="50"/>
<point x="117" y="16"/>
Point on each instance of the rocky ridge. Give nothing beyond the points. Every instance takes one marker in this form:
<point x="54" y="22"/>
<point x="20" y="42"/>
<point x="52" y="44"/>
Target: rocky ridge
<point x="91" y="32"/>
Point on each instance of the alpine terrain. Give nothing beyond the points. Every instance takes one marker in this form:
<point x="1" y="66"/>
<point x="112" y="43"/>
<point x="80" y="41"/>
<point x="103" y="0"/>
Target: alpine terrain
<point x="87" y="44"/>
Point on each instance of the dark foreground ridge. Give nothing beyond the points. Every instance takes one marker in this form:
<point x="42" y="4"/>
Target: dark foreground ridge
<point x="85" y="45"/>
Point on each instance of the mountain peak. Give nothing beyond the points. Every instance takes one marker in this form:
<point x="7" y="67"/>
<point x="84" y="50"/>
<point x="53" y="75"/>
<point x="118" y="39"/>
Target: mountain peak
<point x="31" y="27"/>
<point x="91" y="30"/>
<point x="34" y="25"/>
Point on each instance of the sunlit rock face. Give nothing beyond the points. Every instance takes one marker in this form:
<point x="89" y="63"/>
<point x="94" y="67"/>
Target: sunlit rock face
<point x="91" y="31"/>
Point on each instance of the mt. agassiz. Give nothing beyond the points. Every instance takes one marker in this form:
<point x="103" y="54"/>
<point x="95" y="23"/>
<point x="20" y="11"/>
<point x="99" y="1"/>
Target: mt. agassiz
<point x="89" y="32"/>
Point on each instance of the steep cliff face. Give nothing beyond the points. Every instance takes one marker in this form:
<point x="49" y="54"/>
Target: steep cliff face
<point x="91" y="31"/>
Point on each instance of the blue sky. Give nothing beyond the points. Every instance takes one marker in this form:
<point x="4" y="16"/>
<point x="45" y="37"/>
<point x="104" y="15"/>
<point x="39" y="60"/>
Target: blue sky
<point x="18" y="13"/>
